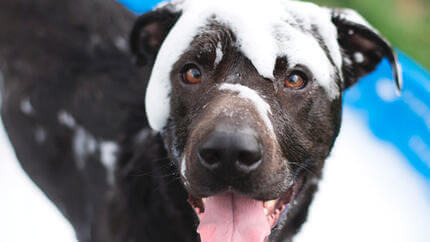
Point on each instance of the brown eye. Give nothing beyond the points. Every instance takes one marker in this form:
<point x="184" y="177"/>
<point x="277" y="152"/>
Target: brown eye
<point x="296" y="80"/>
<point x="192" y="75"/>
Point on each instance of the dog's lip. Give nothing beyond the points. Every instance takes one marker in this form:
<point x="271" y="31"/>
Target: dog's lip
<point x="273" y="209"/>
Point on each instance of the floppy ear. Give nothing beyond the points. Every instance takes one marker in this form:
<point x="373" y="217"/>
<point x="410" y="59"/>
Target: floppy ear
<point x="149" y="32"/>
<point x="363" y="47"/>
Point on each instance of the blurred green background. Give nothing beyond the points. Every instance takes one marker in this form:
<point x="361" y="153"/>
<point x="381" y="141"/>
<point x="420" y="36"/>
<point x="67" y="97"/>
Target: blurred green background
<point x="405" y="23"/>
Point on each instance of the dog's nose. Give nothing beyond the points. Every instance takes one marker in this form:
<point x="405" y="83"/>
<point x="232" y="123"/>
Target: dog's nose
<point x="237" y="150"/>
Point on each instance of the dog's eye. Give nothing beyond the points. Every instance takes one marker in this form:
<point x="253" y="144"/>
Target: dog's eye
<point x="192" y="75"/>
<point x="296" y="80"/>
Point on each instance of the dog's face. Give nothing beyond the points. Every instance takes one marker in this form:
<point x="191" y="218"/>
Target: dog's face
<point x="249" y="108"/>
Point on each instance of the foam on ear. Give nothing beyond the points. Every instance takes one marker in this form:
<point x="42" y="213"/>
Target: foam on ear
<point x="363" y="47"/>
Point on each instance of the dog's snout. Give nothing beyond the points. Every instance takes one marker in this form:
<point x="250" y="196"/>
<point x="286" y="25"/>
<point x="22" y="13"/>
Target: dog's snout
<point x="234" y="151"/>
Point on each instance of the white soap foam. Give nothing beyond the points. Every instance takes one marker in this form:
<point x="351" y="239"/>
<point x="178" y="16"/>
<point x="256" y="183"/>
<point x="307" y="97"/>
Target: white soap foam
<point x="353" y="16"/>
<point x="40" y="135"/>
<point x="358" y="57"/>
<point x="84" y="144"/>
<point x="108" y="154"/>
<point x="219" y="54"/>
<point x="262" y="106"/>
<point x="26" y="106"/>
<point x="66" y="119"/>
<point x="264" y="31"/>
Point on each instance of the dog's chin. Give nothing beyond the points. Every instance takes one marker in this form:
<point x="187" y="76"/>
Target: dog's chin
<point x="229" y="216"/>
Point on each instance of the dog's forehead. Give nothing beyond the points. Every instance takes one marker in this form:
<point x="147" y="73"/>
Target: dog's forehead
<point x="265" y="31"/>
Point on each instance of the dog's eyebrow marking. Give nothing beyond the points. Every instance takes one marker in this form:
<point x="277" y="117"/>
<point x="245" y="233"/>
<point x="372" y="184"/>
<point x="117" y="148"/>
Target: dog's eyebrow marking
<point x="26" y="107"/>
<point x="262" y="106"/>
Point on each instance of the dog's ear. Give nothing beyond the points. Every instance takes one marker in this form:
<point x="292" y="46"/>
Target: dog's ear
<point x="363" y="47"/>
<point x="149" y="32"/>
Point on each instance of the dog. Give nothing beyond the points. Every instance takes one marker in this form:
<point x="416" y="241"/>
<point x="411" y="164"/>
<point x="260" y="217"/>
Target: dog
<point x="220" y="131"/>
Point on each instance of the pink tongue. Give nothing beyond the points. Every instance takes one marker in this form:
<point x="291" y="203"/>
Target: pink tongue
<point x="229" y="218"/>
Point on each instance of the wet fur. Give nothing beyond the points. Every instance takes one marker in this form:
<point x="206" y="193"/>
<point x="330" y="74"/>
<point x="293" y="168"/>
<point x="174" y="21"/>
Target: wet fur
<point x="65" y="57"/>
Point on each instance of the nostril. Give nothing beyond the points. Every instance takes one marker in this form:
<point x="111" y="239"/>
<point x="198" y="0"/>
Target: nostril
<point x="248" y="160"/>
<point x="210" y="158"/>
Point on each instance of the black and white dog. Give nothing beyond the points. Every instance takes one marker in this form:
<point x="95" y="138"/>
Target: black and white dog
<point x="220" y="134"/>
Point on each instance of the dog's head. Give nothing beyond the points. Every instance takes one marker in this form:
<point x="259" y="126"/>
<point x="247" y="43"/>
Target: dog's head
<point x="247" y="96"/>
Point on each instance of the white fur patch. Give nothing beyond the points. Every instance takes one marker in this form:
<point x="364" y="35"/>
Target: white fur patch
<point x="262" y="106"/>
<point x="265" y="30"/>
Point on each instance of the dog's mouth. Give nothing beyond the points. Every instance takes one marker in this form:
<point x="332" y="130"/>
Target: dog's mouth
<point x="231" y="217"/>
